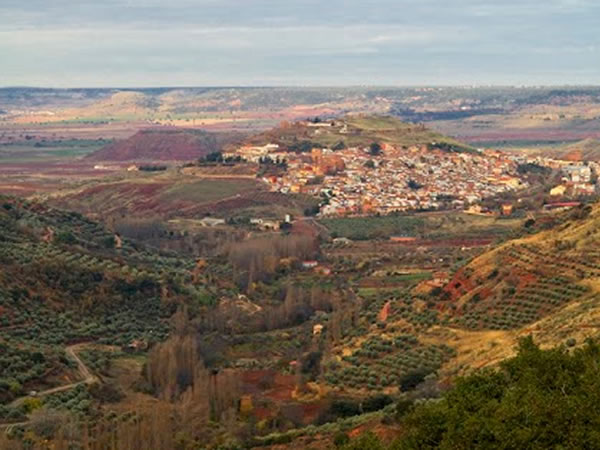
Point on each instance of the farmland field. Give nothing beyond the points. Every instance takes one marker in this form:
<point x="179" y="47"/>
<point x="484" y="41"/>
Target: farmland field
<point x="363" y="228"/>
<point x="39" y="151"/>
<point x="446" y="225"/>
<point x="209" y="190"/>
<point x="173" y="195"/>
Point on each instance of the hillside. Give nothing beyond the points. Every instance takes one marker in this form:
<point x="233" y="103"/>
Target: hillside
<point x="546" y="284"/>
<point x="159" y="145"/>
<point x="586" y="150"/>
<point x="355" y="131"/>
<point x="66" y="279"/>
<point x="180" y="194"/>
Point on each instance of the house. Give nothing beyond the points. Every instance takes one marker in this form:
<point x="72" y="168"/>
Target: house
<point x="211" y="222"/>
<point x="265" y="225"/>
<point x="319" y="124"/>
<point x="440" y="278"/>
<point x="558" y="190"/>
<point x="309" y="264"/>
<point x="578" y="173"/>
<point x="403" y="239"/>
<point x="584" y="189"/>
<point x="342" y="241"/>
<point x="270" y="225"/>
<point x="317" y="329"/>
<point x="507" y="209"/>
<point x="136" y="345"/>
<point x="560" y="205"/>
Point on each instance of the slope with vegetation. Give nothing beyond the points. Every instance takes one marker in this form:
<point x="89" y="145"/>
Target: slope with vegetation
<point x="539" y="399"/>
<point x="66" y="279"/>
<point x="586" y="150"/>
<point x="355" y="131"/>
<point x="174" y="195"/>
<point x="542" y="283"/>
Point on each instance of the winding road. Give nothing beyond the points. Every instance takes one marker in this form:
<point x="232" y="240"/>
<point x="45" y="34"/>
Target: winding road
<point x="87" y="377"/>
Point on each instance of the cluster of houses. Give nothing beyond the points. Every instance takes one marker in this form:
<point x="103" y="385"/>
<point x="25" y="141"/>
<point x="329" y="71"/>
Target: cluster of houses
<point x="259" y="223"/>
<point x="353" y="181"/>
<point x="577" y="180"/>
<point x="356" y="180"/>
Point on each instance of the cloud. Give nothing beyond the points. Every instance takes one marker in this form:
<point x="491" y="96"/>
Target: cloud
<point x="297" y="41"/>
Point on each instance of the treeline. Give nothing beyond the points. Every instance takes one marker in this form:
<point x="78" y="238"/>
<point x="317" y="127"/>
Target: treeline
<point x="259" y="259"/>
<point x="149" y="168"/>
<point x="297" y="305"/>
<point x="154" y="231"/>
<point x="175" y="372"/>
<point x="141" y="229"/>
<point x="218" y="158"/>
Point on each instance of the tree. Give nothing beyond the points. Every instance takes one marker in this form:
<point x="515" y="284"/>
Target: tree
<point x="376" y="402"/>
<point x="538" y="399"/>
<point x="339" y="145"/>
<point x="375" y="149"/>
<point x="66" y="237"/>
<point x="214" y="157"/>
<point x="414" y="185"/>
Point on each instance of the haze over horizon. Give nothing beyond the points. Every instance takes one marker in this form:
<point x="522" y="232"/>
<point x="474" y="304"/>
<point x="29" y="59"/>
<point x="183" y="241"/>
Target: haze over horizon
<point x="310" y="43"/>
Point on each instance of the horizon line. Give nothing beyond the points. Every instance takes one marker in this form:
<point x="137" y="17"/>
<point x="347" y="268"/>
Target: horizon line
<point x="315" y="86"/>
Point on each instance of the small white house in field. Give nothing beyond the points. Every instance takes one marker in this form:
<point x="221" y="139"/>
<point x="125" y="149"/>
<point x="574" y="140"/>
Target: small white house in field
<point x="310" y="264"/>
<point x="211" y="222"/>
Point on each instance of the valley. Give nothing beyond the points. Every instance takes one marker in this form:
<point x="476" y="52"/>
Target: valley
<point x="286" y="268"/>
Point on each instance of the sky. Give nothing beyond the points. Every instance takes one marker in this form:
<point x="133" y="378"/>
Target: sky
<point x="134" y="43"/>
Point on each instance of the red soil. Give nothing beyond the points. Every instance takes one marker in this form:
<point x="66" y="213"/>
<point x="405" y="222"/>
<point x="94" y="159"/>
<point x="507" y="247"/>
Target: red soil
<point x="159" y="145"/>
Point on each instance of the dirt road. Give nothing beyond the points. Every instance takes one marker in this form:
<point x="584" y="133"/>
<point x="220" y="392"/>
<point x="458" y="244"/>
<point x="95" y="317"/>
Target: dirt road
<point x="87" y="377"/>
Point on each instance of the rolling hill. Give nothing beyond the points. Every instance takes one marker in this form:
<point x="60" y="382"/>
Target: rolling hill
<point x="585" y="150"/>
<point x="355" y="131"/>
<point x="546" y="284"/>
<point x="159" y="145"/>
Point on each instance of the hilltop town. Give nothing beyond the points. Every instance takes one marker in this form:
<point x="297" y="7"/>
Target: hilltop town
<point x="384" y="177"/>
<point x="354" y="181"/>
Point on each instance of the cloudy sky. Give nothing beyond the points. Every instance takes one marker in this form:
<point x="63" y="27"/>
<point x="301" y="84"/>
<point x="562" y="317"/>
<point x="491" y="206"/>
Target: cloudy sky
<point x="76" y="43"/>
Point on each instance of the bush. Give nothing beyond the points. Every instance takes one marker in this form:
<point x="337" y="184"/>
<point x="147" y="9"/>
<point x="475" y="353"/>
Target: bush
<point x="366" y="441"/>
<point x="340" y="439"/>
<point x="412" y="379"/>
<point x="528" y="403"/>
<point x="45" y="422"/>
<point x="106" y="393"/>
<point x="376" y="402"/>
<point x="344" y="408"/>
<point x="66" y="237"/>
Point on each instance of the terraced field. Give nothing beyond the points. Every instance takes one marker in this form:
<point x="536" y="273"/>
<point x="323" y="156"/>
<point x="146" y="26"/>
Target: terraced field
<point x="524" y="281"/>
<point x="172" y="195"/>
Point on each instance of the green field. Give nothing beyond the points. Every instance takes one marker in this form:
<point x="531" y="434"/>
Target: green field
<point x="453" y="224"/>
<point x="209" y="190"/>
<point x="28" y="151"/>
<point x="364" y="228"/>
